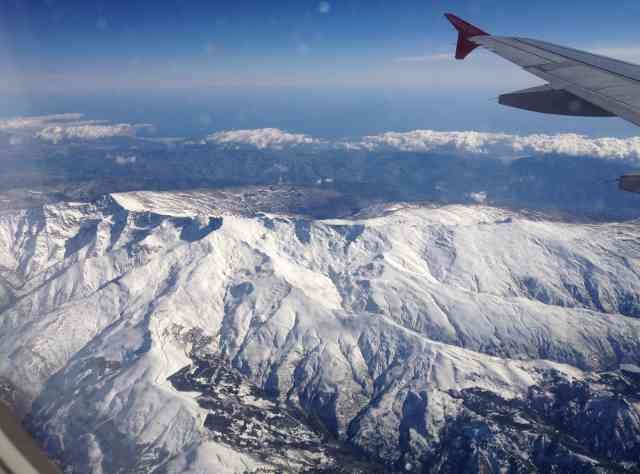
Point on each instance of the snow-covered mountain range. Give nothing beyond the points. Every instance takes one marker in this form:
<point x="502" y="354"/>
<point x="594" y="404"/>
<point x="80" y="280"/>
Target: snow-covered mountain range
<point x="159" y="332"/>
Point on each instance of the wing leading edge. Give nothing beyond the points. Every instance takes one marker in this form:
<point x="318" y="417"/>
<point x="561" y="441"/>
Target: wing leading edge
<point x="578" y="83"/>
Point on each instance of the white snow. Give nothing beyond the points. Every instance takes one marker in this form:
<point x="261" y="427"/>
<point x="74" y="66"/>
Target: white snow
<point x="418" y="299"/>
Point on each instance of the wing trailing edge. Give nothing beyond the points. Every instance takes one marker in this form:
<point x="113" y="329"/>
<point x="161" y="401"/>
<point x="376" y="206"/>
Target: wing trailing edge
<point x="465" y="32"/>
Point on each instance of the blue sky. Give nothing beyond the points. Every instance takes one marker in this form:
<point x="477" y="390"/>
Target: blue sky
<point x="57" y="50"/>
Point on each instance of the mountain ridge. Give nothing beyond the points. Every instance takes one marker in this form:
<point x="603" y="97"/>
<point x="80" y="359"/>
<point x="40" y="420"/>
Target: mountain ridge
<point x="367" y="324"/>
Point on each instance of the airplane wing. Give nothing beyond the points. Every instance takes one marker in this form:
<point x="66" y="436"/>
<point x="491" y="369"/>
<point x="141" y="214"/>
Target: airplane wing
<point x="578" y="83"/>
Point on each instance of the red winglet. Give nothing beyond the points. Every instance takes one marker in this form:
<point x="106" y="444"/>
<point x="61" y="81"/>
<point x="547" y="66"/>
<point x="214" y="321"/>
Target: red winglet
<point x="465" y="31"/>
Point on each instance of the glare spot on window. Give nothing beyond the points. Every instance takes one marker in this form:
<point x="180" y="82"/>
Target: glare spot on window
<point x="102" y="24"/>
<point x="324" y="7"/>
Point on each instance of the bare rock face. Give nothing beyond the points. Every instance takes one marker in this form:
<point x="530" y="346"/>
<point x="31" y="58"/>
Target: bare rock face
<point x="166" y="332"/>
<point x="590" y="425"/>
<point x="244" y="416"/>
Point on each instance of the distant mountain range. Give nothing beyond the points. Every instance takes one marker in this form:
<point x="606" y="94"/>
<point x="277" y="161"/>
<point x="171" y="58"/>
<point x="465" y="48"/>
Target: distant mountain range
<point x="570" y="186"/>
<point x="67" y="157"/>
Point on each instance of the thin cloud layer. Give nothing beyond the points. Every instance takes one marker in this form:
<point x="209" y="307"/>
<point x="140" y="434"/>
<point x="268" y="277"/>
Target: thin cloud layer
<point x="424" y="58"/>
<point x="71" y="126"/>
<point x="262" y="138"/>
<point x="624" y="53"/>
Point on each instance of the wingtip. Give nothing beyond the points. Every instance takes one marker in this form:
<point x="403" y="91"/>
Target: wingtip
<point x="453" y="19"/>
<point x="450" y="16"/>
<point x="465" y="31"/>
<point x="464" y="27"/>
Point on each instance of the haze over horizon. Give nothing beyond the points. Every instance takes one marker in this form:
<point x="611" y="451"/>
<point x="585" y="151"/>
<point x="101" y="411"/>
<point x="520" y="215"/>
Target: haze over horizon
<point x="334" y="69"/>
